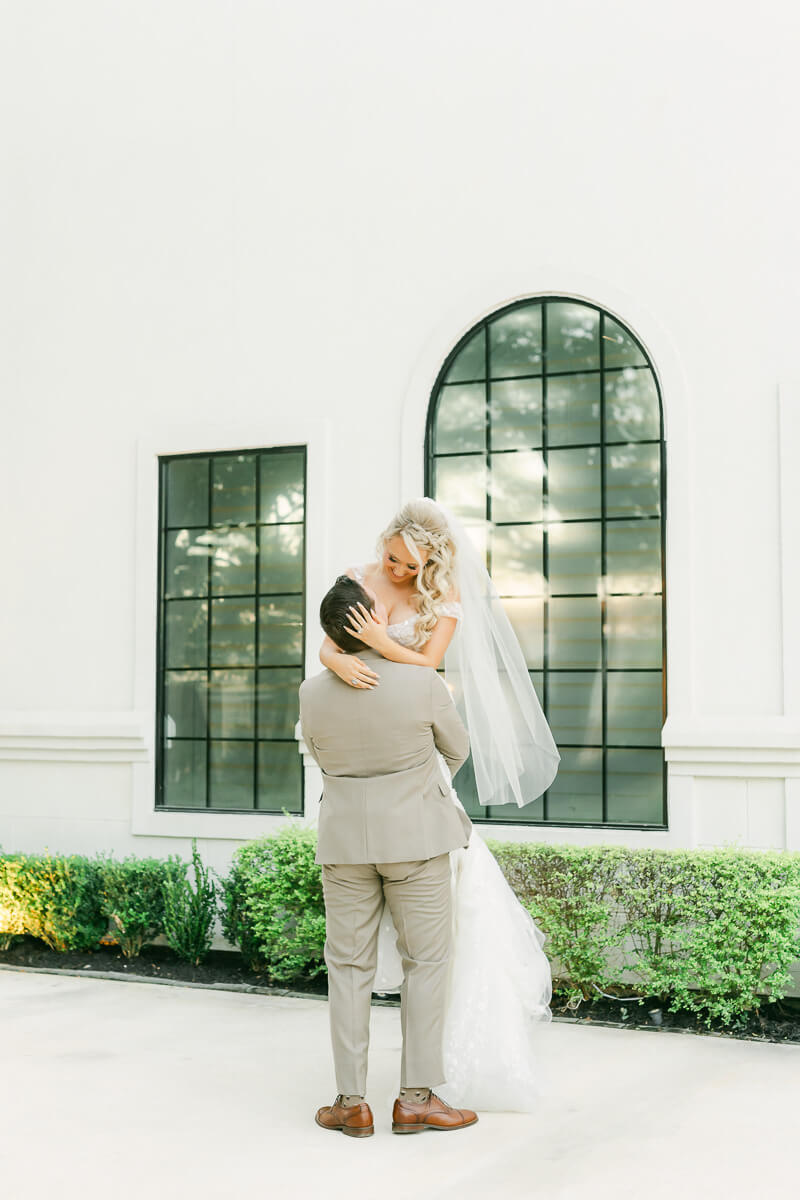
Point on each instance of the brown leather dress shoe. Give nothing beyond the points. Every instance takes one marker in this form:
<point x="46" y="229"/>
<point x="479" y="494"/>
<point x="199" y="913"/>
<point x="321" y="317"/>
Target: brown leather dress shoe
<point x="432" y="1113"/>
<point x="355" y="1121"/>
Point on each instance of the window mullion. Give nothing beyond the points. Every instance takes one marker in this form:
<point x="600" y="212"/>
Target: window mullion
<point x="256" y="615"/>
<point x="603" y="572"/>
<point x="209" y="480"/>
<point x="487" y="365"/>
<point x="545" y="543"/>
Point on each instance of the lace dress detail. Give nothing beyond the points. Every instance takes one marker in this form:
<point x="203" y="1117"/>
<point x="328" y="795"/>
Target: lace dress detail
<point x="500" y="984"/>
<point x="451" y="608"/>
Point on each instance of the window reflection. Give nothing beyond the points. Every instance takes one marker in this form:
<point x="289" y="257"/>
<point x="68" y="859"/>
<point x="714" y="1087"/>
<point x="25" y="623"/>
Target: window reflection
<point x="633" y="481"/>
<point x="555" y="462"/>
<point x="186" y="565"/>
<point x="517" y="560"/>
<point x="516" y="486"/>
<point x="461" y="485"/>
<point x="461" y="419"/>
<point x="233" y="495"/>
<point x="573" y="410"/>
<point x="470" y="362"/>
<point x="282" y="487"/>
<point x="231" y="626"/>
<point x="186" y="492"/>
<point x="573" y="337"/>
<point x="516" y="414"/>
<point x="233" y="562"/>
<point x="631" y="406"/>
<point x="515" y="343"/>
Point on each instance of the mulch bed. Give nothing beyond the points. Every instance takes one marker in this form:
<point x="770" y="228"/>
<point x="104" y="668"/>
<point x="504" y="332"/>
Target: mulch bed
<point x="776" y="1022"/>
<point x="222" y="968"/>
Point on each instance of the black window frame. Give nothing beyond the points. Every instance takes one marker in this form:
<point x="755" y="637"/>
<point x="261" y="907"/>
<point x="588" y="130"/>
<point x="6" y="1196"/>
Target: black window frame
<point x="430" y="460"/>
<point x="161" y="668"/>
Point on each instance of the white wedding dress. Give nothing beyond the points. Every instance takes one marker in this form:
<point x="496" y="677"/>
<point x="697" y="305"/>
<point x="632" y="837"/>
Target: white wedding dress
<point x="499" y="985"/>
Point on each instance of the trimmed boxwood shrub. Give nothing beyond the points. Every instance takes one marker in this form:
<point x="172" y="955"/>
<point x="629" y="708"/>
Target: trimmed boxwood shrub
<point x="274" y="907"/>
<point x="53" y="898"/>
<point x="12" y="907"/>
<point x="132" y="898"/>
<point x="712" y="931"/>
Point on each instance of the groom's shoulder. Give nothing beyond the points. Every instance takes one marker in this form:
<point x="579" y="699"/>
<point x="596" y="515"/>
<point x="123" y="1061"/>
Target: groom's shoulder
<point x="406" y="672"/>
<point x="319" y="683"/>
<point x="406" y="677"/>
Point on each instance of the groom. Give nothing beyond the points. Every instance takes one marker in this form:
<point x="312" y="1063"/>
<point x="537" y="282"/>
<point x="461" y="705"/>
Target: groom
<point x="386" y="827"/>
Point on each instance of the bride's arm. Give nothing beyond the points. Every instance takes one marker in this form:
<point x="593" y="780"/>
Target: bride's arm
<point x="349" y="667"/>
<point x="373" y="633"/>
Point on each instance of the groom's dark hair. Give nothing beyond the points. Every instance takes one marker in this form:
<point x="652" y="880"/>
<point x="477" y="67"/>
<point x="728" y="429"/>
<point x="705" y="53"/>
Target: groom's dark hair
<point x="334" y="616"/>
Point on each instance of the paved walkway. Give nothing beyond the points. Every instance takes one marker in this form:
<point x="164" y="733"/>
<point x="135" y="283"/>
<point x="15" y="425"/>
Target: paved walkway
<point x="127" y="1089"/>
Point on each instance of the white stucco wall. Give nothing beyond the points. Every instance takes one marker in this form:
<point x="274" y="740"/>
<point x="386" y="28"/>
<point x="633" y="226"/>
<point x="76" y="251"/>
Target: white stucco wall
<point x="270" y="222"/>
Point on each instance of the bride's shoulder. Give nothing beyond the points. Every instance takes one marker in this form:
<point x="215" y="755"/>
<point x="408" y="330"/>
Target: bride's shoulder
<point x="451" y="607"/>
<point x="360" y="573"/>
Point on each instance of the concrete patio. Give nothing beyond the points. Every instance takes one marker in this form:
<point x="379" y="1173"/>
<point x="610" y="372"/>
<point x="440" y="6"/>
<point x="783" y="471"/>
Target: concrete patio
<point x="128" y="1089"/>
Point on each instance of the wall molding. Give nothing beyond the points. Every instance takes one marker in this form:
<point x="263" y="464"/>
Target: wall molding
<point x="696" y="748"/>
<point x="88" y="737"/>
<point x="746" y="747"/>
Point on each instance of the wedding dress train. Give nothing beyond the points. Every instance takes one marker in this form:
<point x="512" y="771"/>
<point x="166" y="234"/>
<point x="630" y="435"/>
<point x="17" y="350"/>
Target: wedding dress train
<point x="499" y="987"/>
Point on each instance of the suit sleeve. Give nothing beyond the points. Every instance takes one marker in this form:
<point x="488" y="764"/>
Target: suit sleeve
<point x="306" y="725"/>
<point x="449" y="733"/>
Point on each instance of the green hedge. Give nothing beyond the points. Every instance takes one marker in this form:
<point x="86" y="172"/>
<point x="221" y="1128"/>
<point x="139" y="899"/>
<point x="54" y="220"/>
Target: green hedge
<point x="274" y="910"/>
<point x="132" y="897"/>
<point x="712" y="931"/>
<point x="57" y="899"/>
<point x="71" y="902"/>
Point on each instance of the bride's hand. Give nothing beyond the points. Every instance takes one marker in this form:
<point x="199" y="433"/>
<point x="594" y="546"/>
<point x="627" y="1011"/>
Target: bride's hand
<point x="378" y="607"/>
<point x="353" y="671"/>
<point x="368" y="627"/>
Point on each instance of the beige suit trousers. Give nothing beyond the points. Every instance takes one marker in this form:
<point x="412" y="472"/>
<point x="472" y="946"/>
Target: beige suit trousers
<point x="418" y="896"/>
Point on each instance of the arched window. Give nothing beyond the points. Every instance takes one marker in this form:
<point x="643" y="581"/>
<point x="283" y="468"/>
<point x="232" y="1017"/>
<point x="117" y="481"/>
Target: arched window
<point x="545" y="431"/>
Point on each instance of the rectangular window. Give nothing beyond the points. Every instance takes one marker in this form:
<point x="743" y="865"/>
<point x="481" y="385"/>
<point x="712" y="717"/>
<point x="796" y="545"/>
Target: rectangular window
<point x="231" y="638"/>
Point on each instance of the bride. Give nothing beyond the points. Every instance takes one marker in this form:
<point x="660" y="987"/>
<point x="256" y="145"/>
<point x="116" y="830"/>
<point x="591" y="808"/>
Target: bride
<point x="434" y="600"/>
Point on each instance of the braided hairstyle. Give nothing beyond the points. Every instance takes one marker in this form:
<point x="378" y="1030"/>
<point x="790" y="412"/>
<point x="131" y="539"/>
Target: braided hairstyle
<point x="424" y="529"/>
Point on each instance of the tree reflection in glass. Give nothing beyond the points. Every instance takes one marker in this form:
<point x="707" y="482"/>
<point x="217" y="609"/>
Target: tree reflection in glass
<point x="557" y="467"/>
<point x="461" y="419"/>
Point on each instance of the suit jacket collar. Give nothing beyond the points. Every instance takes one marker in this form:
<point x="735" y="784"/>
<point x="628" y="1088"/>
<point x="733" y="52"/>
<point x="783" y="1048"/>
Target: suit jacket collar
<point x="370" y="655"/>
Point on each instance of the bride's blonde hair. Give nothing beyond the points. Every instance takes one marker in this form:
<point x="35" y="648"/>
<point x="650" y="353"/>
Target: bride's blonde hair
<point x="423" y="528"/>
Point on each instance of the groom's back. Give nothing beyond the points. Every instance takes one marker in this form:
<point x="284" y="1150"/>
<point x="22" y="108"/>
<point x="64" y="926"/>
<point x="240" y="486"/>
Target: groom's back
<point x="385" y="798"/>
<point x="366" y="732"/>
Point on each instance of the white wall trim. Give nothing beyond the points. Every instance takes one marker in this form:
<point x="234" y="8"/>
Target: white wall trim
<point x="275" y="428"/>
<point x="74" y="736"/>
<point x="727" y="733"/>
<point x="745" y="747"/>
<point x="581" y="835"/>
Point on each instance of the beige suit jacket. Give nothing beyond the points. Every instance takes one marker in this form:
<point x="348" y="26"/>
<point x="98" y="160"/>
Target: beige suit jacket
<point x="384" y="798"/>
